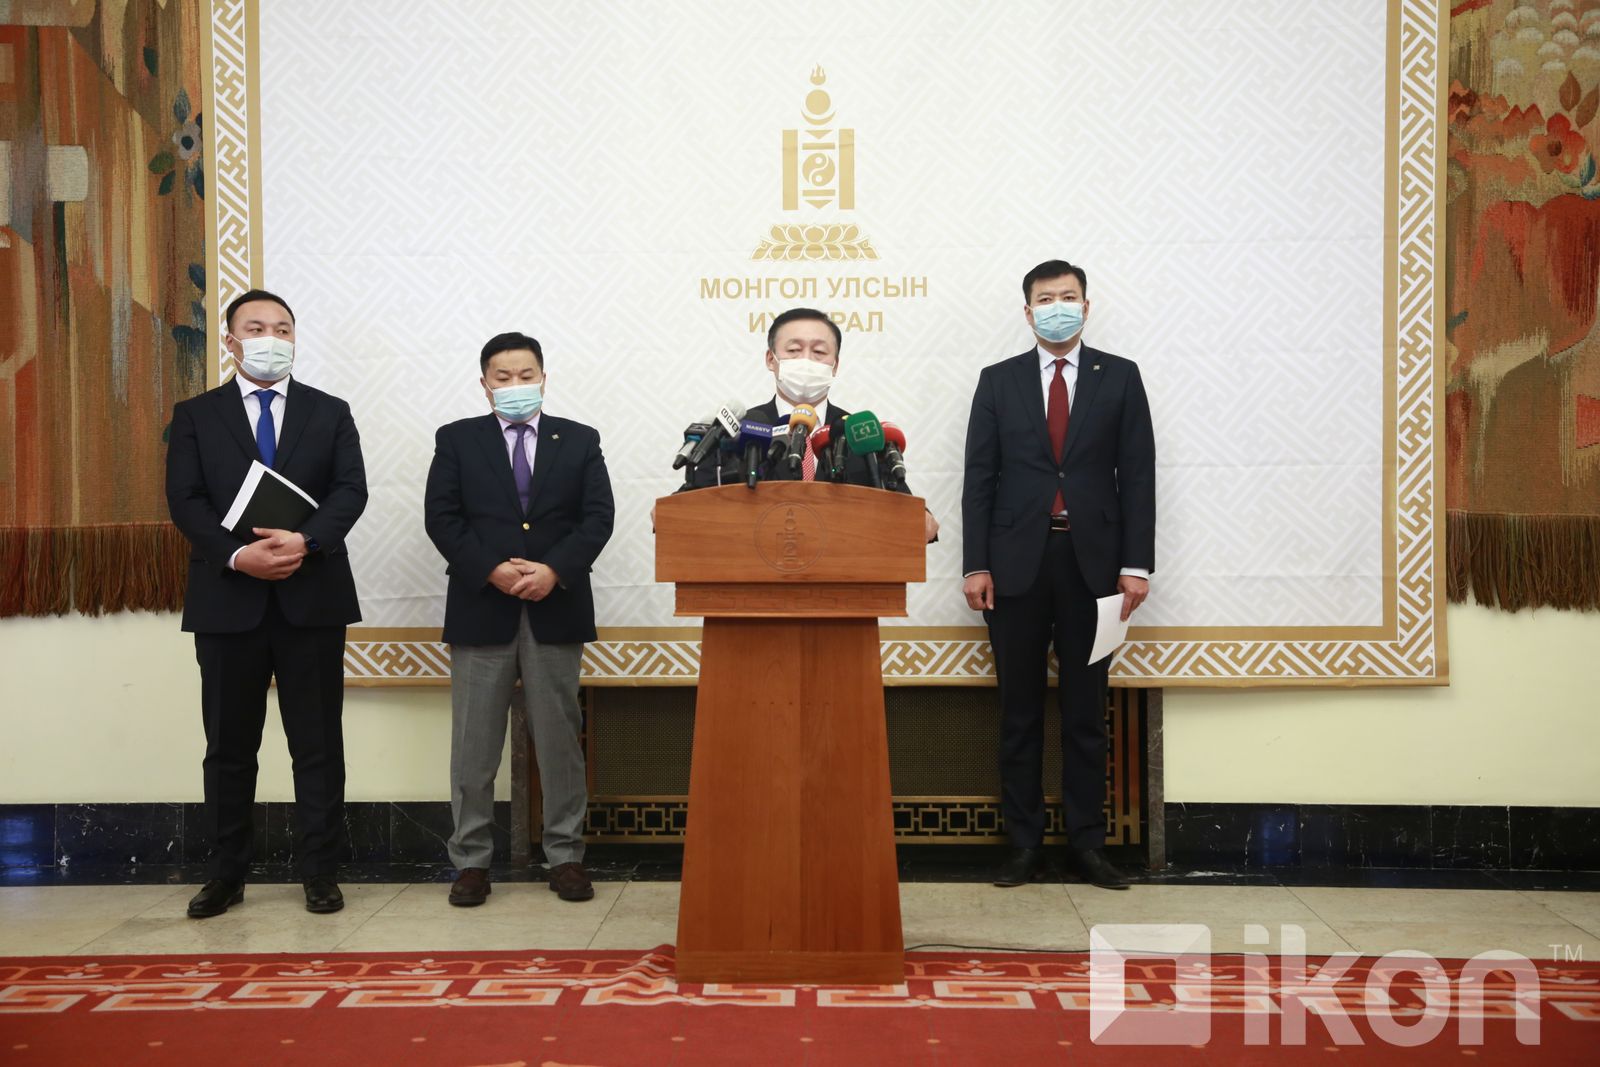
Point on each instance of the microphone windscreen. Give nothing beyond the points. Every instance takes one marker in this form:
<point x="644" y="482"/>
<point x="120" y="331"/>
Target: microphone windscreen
<point x="803" y="415"/>
<point x="863" y="432"/>
<point x="894" y="435"/>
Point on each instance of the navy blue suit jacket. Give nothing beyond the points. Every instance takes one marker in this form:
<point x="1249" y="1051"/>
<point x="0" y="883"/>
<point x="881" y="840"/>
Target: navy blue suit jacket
<point x="209" y="451"/>
<point x="476" y="521"/>
<point x="1107" y="475"/>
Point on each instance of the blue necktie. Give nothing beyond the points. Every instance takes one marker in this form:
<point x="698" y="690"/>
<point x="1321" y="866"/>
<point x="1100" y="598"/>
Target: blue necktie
<point x="266" y="440"/>
<point x="519" y="466"/>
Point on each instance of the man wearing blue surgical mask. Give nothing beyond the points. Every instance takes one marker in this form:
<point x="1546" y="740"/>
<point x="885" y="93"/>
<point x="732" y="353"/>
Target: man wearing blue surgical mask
<point x="1058" y="508"/>
<point x="518" y="503"/>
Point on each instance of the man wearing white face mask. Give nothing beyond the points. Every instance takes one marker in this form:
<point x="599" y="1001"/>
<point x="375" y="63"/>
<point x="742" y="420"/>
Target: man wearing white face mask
<point x="518" y="502"/>
<point x="276" y="606"/>
<point x="1058" y="507"/>
<point x="803" y="355"/>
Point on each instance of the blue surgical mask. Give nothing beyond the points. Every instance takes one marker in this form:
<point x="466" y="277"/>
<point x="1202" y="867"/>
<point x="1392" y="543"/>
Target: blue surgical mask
<point x="518" y="403"/>
<point x="1058" y="321"/>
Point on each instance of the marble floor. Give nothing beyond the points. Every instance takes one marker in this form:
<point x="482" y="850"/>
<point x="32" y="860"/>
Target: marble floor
<point x="109" y="920"/>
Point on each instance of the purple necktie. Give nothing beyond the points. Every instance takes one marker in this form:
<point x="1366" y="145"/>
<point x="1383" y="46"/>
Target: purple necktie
<point x="519" y="465"/>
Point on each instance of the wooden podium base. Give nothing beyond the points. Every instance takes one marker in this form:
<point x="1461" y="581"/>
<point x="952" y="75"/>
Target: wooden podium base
<point x="789" y="868"/>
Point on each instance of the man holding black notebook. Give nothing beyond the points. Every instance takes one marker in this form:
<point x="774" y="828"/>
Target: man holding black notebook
<point x="274" y="603"/>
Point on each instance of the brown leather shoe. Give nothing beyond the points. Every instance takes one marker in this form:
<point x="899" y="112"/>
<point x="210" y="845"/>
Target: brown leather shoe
<point x="470" y="888"/>
<point x="570" y="882"/>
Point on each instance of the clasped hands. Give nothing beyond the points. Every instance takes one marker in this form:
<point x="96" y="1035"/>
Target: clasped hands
<point x="272" y="558"/>
<point x="524" y="579"/>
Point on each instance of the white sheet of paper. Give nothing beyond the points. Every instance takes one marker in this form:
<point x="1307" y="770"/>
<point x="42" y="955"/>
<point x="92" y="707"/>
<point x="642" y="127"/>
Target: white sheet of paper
<point x="1109" y="629"/>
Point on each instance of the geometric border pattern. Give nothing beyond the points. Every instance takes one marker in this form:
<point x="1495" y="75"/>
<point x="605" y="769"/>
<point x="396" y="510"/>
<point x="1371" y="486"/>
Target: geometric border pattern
<point x="231" y="111"/>
<point x="1538" y="999"/>
<point x="1410" y="651"/>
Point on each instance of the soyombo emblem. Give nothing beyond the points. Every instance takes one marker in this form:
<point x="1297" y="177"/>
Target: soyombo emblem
<point x="789" y="537"/>
<point x="829" y="167"/>
<point x="819" y="170"/>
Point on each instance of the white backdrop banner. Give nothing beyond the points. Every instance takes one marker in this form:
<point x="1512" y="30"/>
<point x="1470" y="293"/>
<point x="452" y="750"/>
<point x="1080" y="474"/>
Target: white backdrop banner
<point x="1251" y="187"/>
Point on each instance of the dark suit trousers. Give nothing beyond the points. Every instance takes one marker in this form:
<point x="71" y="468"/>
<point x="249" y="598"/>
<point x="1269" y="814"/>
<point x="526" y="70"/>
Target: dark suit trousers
<point x="1059" y="608"/>
<point x="235" y="670"/>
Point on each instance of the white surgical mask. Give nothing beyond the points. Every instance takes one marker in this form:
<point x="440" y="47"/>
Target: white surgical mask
<point x="805" y="381"/>
<point x="266" y="359"/>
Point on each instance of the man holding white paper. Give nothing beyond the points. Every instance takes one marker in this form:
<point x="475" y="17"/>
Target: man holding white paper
<point x="1058" y="507"/>
<point x="271" y="605"/>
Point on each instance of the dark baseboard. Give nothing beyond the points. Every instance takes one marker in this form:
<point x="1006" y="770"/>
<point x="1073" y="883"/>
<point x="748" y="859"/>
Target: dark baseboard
<point x="1353" y="836"/>
<point x="124" y="835"/>
<point x="1232" y="837"/>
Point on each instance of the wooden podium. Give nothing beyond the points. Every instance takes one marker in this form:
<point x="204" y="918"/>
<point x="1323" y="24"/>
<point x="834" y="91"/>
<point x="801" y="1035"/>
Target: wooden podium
<point x="789" y="868"/>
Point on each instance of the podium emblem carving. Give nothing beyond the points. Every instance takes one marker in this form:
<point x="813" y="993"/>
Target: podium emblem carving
<point x="789" y="537"/>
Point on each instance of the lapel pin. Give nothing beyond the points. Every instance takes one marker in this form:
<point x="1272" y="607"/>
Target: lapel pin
<point x="557" y="437"/>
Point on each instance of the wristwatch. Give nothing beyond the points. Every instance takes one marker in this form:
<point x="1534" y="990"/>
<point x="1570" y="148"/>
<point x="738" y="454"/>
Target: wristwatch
<point x="311" y="544"/>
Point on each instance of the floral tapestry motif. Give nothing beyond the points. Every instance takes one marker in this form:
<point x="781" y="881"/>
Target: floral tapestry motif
<point x="103" y="291"/>
<point x="1523" y="228"/>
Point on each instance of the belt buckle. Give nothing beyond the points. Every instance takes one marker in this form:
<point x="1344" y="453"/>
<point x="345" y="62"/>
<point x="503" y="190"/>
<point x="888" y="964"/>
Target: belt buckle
<point x="1060" y="524"/>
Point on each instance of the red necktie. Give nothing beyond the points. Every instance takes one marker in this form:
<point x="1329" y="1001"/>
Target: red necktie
<point x="1056" y="418"/>
<point x="808" y="463"/>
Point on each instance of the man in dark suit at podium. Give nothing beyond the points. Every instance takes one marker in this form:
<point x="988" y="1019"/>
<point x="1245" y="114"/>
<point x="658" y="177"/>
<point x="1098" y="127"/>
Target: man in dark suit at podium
<point x="519" y="504"/>
<point x="276" y="606"/>
<point x="803" y="355"/>
<point x="1058" y="508"/>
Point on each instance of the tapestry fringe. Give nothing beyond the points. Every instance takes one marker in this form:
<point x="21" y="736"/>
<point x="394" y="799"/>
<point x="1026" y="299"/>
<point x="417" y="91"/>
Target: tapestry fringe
<point x="1524" y="561"/>
<point x="94" y="570"/>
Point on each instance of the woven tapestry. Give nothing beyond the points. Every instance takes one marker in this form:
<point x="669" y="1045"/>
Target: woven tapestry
<point x="1523" y="393"/>
<point x="102" y="296"/>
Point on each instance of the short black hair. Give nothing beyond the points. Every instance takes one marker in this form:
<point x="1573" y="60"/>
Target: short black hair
<point x="508" y="342"/>
<point x="1052" y="268"/>
<point x="797" y="314"/>
<point x="254" y="294"/>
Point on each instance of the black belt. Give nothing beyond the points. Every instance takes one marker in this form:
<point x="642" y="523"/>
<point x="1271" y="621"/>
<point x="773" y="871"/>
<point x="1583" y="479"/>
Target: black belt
<point x="1060" y="524"/>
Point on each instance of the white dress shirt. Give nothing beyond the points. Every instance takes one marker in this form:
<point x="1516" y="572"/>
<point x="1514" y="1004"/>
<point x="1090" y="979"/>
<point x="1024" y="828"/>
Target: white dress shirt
<point x="252" y="403"/>
<point x="785" y="409"/>
<point x="1047" y="374"/>
<point x="252" y="411"/>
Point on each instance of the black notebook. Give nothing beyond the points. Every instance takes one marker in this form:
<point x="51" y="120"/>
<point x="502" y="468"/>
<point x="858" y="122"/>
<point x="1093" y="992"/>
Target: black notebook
<point x="267" y="500"/>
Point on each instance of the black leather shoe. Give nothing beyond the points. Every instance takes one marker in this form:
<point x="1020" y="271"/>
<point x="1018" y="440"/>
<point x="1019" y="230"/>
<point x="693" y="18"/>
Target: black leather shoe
<point x="1097" y="870"/>
<point x="216" y="897"/>
<point x="1019" y="867"/>
<point x="322" y="894"/>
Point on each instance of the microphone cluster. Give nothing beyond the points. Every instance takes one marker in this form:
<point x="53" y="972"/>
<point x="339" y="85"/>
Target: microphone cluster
<point x="761" y="446"/>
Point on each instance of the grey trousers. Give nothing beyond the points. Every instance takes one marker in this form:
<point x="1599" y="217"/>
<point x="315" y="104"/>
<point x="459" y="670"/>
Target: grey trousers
<point x="482" y="681"/>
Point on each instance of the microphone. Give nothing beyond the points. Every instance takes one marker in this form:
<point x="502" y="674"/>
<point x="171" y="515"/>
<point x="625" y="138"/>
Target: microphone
<point x="828" y="444"/>
<point x="801" y="423"/>
<point x="820" y="442"/>
<point x="724" y="425"/>
<point x="836" y="453"/>
<point x="864" y="433"/>
<point x="692" y="434"/>
<point x="780" y="441"/>
<point x="755" y="438"/>
<point x="894" y="446"/>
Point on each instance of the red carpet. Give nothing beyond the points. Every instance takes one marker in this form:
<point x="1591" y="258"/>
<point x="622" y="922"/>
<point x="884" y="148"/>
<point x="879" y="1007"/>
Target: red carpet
<point x="615" y="1008"/>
